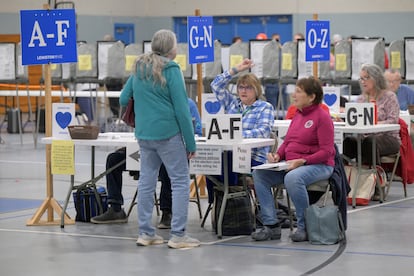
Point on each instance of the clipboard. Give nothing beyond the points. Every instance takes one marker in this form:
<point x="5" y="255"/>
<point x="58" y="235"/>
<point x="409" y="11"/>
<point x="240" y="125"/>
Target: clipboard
<point x="279" y="166"/>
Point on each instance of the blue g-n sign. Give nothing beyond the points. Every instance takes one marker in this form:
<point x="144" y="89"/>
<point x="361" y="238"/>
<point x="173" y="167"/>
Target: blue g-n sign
<point x="48" y="36"/>
<point x="318" y="44"/>
<point x="200" y="39"/>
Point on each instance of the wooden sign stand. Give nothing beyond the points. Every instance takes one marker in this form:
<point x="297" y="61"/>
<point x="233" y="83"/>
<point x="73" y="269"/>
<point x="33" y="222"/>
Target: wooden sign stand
<point x="315" y="64"/>
<point x="49" y="205"/>
<point x="200" y="179"/>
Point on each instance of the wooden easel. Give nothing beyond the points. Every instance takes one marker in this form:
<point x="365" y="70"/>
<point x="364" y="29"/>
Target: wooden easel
<point x="49" y="205"/>
<point x="202" y="186"/>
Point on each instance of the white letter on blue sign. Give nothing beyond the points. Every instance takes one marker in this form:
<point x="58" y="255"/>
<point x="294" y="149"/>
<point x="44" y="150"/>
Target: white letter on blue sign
<point x="324" y="43"/>
<point x="37" y="34"/>
<point x="60" y="32"/>
<point x="194" y="45"/>
<point x="208" y="36"/>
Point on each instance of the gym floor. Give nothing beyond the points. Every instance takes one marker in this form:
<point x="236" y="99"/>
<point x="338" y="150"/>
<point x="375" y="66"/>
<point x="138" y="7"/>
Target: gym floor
<point x="378" y="236"/>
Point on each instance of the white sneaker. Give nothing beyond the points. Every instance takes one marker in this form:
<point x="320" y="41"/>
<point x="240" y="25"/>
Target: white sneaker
<point x="144" y="240"/>
<point x="182" y="242"/>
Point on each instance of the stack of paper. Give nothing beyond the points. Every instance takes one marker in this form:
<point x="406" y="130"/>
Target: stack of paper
<point x="279" y="166"/>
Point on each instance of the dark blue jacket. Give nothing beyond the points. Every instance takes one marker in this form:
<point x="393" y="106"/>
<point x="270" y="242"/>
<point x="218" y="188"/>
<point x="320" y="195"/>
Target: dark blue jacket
<point x="340" y="186"/>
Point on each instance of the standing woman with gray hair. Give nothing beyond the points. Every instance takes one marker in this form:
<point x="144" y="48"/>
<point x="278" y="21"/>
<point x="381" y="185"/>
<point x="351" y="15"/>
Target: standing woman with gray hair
<point x="165" y="134"/>
<point x="374" y="88"/>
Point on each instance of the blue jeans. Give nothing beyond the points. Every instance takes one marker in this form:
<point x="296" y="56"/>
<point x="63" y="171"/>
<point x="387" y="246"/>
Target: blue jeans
<point x="173" y="154"/>
<point x="295" y="182"/>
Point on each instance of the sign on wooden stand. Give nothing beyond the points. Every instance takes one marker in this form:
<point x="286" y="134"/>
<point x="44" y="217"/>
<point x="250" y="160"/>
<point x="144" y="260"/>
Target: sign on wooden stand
<point x="48" y="36"/>
<point x="317" y="42"/>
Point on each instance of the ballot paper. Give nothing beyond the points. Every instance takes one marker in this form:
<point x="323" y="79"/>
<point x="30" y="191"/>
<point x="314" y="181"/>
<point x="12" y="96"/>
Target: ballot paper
<point x="279" y="166"/>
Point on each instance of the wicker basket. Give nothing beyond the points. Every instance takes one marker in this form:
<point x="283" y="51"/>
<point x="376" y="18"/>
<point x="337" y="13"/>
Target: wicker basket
<point x="411" y="109"/>
<point x="83" y="132"/>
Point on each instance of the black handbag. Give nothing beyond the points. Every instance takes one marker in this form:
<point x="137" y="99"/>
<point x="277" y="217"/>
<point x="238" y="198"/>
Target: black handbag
<point x="129" y="115"/>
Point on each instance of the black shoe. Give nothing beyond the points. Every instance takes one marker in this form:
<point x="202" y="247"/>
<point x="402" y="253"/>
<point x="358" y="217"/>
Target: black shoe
<point x="266" y="233"/>
<point x="299" y="236"/>
<point x="111" y="216"/>
<point x="165" y="222"/>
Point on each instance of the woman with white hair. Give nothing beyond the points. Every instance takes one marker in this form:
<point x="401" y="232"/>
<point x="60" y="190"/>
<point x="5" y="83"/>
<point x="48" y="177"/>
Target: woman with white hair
<point x="374" y="88"/>
<point x="165" y="134"/>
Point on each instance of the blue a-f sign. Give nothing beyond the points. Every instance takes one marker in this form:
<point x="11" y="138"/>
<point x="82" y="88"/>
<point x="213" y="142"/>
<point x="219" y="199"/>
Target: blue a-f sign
<point x="200" y="39"/>
<point x="318" y="45"/>
<point x="48" y="36"/>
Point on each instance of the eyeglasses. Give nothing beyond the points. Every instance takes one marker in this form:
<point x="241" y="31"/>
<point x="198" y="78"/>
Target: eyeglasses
<point x="393" y="81"/>
<point x="364" y="78"/>
<point x="242" y="87"/>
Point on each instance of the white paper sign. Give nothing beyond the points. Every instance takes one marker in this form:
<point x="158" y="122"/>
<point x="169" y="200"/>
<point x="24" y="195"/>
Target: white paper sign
<point x="225" y="128"/>
<point x="242" y="156"/>
<point x="305" y="68"/>
<point x="63" y="115"/>
<point x="7" y="60"/>
<point x="256" y="54"/>
<point x="210" y="106"/>
<point x="133" y="157"/>
<point x="409" y="58"/>
<point x="207" y="160"/>
<point x="359" y="114"/>
<point x="103" y="51"/>
<point x="331" y="97"/>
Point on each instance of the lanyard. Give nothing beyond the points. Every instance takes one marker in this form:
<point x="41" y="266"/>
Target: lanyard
<point x="244" y="111"/>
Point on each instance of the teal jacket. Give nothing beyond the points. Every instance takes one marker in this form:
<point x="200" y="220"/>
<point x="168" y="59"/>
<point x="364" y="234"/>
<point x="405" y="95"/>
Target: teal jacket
<point x="160" y="112"/>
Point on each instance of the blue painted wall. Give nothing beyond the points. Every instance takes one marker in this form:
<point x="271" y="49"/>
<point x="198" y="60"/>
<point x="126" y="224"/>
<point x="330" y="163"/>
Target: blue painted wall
<point x="391" y="26"/>
<point x="247" y="27"/>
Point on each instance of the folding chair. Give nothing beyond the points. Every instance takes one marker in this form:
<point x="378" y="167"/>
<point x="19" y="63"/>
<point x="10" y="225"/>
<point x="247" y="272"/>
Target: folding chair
<point x="392" y="164"/>
<point x="393" y="160"/>
<point x="134" y="200"/>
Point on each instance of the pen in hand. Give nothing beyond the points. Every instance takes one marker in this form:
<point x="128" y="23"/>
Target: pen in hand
<point x="274" y="147"/>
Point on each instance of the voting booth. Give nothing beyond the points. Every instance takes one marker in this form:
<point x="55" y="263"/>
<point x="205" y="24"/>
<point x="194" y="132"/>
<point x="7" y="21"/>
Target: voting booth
<point x="397" y="56"/>
<point x="237" y="53"/>
<point x="342" y="60"/>
<point x="131" y="51"/>
<point x="289" y="67"/>
<point x="256" y="53"/>
<point x="409" y="58"/>
<point x="271" y="60"/>
<point x="366" y="50"/>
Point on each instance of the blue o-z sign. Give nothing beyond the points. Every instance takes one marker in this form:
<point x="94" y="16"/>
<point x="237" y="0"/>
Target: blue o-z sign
<point x="48" y="36"/>
<point x="318" y="44"/>
<point x="200" y="39"/>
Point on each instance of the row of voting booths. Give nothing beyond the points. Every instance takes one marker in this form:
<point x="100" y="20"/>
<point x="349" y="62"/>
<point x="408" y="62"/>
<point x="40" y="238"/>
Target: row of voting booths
<point x="104" y="62"/>
<point x="284" y="64"/>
